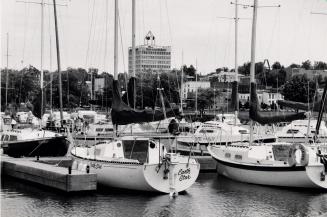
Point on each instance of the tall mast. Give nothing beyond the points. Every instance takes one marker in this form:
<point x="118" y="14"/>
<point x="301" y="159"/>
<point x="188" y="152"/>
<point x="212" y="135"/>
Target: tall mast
<point x="133" y="51"/>
<point x="51" y="73"/>
<point x="196" y="87"/>
<point x="58" y="61"/>
<point x="323" y="99"/>
<point x="7" y="70"/>
<point x="236" y="59"/>
<point x="116" y="42"/>
<point x="42" y="48"/>
<point x="252" y="69"/>
<point x="182" y="77"/>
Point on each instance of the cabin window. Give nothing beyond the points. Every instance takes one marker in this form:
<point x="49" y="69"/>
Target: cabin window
<point x="2" y="137"/>
<point x="243" y="131"/>
<point x="206" y="131"/>
<point x="109" y="130"/>
<point x="136" y="149"/>
<point x="238" y="157"/>
<point x="98" y="129"/>
<point x="227" y="155"/>
<point x="5" y="138"/>
<point x="292" y="131"/>
<point x="13" y="138"/>
<point x="313" y="131"/>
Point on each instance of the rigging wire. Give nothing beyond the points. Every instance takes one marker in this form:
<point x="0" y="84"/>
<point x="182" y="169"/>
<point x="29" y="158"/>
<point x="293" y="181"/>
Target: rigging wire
<point x="227" y="47"/>
<point x="121" y="42"/>
<point x="106" y="37"/>
<point x="50" y="55"/>
<point x="90" y="32"/>
<point x="95" y="43"/>
<point x="26" y="23"/>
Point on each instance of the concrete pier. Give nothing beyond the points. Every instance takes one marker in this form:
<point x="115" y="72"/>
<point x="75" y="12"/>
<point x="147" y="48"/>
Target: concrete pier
<point x="46" y="172"/>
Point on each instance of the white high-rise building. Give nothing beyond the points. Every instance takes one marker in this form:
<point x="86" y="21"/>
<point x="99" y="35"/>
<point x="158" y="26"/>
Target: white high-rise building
<point x="150" y="57"/>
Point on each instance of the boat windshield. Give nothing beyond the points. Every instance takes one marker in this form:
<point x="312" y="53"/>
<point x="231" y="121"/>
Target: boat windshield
<point x="136" y="149"/>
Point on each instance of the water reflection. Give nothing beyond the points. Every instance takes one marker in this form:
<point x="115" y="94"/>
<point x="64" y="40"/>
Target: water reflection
<point x="209" y="196"/>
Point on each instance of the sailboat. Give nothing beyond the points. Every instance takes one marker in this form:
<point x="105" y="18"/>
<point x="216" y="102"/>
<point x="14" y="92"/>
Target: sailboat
<point x="36" y="142"/>
<point x="135" y="163"/>
<point x="275" y="164"/>
<point x="226" y="128"/>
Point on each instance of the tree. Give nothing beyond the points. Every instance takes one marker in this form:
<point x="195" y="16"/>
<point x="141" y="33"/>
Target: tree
<point x="297" y="89"/>
<point x="306" y="65"/>
<point x="293" y="65"/>
<point x="264" y="106"/>
<point x="319" y="65"/>
<point x="247" y="105"/>
<point x="276" y="65"/>
<point x="273" y="106"/>
<point x="190" y="71"/>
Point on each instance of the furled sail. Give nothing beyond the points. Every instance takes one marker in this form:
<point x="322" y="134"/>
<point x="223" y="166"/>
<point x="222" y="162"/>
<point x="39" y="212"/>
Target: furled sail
<point x="36" y="105"/>
<point x="269" y="118"/>
<point x="123" y="114"/>
<point x="128" y="97"/>
<point x="234" y="102"/>
<point x="299" y="105"/>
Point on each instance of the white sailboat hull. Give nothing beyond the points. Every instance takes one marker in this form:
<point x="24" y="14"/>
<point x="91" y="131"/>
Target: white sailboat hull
<point x="284" y="176"/>
<point x="301" y="179"/>
<point x="142" y="177"/>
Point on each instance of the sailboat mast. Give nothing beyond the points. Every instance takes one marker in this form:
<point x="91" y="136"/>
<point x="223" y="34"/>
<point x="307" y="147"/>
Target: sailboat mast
<point x="196" y="87"/>
<point x="7" y="70"/>
<point x="182" y="77"/>
<point x="116" y="42"/>
<point x="42" y="49"/>
<point x="252" y="69"/>
<point x="58" y="61"/>
<point x="133" y="51"/>
<point x="236" y="59"/>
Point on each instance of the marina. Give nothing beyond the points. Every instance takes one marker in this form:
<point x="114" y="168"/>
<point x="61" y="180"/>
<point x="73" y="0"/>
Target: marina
<point x="182" y="129"/>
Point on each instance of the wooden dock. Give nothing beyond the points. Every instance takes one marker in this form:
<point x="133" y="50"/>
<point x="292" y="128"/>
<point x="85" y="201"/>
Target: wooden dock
<point x="46" y="171"/>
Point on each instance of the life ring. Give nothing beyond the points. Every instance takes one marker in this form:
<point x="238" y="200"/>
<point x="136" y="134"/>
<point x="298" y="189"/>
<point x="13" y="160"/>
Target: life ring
<point x="292" y="157"/>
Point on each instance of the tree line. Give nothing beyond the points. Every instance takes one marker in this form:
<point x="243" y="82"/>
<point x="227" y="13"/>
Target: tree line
<point x="24" y="84"/>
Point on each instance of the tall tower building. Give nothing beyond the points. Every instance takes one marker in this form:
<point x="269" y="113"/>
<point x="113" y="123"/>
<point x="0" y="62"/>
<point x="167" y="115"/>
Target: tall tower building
<point x="150" y="57"/>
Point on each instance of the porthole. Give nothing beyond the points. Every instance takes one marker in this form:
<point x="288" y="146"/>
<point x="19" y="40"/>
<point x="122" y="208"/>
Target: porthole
<point x="118" y="144"/>
<point x="152" y="145"/>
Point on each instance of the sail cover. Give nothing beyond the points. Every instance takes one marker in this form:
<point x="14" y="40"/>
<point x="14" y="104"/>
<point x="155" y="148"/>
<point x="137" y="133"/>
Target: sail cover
<point x="122" y="114"/>
<point x="299" y="105"/>
<point x="234" y="102"/>
<point x="271" y="117"/>
<point x="128" y="97"/>
<point x="36" y="105"/>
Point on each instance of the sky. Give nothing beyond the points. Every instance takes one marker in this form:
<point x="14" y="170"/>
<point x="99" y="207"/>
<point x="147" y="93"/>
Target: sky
<point x="197" y="31"/>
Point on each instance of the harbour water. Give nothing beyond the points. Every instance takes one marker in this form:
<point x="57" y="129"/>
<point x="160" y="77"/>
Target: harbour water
<point x="211" y="195"/>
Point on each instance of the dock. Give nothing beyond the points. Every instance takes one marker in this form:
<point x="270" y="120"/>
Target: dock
<point x="207" y="163"/>
<point x="50" y="172"/>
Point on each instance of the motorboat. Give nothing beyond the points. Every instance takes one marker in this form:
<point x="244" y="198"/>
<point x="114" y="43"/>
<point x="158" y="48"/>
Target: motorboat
<point x="137" y="163"/>
<point x="229" y="119"/>
<point x="219" y="133"/>
<point x="30" y="142"/>
<point x="275" y="164"/>
<point x="302" y="131"/>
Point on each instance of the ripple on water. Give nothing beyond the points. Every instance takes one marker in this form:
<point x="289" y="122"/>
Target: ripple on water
<point x="209" y="196"/>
